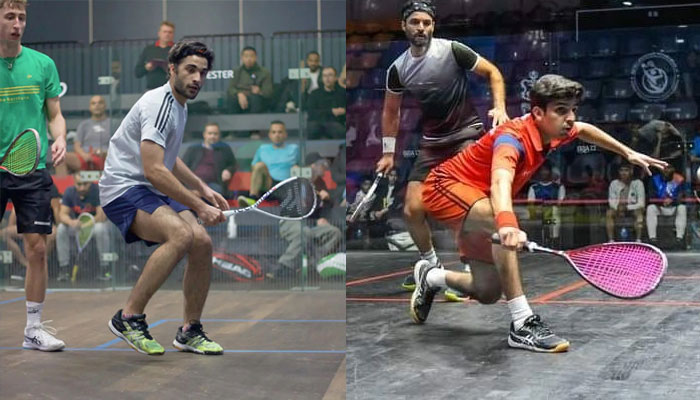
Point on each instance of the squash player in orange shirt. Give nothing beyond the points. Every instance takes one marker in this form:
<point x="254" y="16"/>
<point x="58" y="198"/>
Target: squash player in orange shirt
<point x="472" y="193"/>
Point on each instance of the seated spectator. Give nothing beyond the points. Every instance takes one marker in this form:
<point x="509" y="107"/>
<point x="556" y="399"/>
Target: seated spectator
<point x="387" y="203"/>
<point x="313" y="63"/>
<point x="84" y="196"/>
<point x="323" y="236"/>
<point x="667" y="187"/>
<point x="625" y="198"/>
<point x="326" y="108"/>
<point x="545" y="189"/>
<point x="212" y="161"/>
<point x="153" y="62"/>
<point x="250" y="89"/>
<point x="91" y="141"/>
<point x="359" y="196"/>
<point x="272" y="163"/>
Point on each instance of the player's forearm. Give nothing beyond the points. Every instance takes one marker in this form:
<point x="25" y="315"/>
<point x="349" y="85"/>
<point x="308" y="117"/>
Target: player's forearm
<point x="597" y="136"/>
<point x="164" y="180"/>
<point x="57" y="126"/>
<point x="501" y="191"/>
<point x="498" y="89"/>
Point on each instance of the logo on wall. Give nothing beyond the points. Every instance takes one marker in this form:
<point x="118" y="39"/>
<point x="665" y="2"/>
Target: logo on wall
<point x="655" y="77"/>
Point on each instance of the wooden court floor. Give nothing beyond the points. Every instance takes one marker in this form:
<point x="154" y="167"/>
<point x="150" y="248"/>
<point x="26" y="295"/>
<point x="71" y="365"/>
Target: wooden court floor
<point x="278" y="345"/>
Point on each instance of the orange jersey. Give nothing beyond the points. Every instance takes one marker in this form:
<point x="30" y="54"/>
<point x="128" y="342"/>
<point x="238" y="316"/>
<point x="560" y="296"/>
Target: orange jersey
<point x="515" y="145"/>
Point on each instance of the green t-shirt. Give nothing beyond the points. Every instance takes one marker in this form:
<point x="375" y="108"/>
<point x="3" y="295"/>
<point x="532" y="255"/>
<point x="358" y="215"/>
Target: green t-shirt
<point x="23" y="93"/>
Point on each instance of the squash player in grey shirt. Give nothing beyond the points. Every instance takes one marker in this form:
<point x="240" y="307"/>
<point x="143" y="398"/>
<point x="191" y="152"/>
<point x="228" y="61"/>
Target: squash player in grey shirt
<point x="150" y="194"/>
<point x="435" y="72"/>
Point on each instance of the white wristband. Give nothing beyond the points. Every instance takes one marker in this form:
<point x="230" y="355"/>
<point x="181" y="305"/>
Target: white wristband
<point x="388" y="144"/>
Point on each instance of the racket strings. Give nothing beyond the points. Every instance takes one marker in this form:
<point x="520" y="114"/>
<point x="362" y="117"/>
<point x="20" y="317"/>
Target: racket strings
<point x="625" y="270"/>
<point x="297" y="198"/>
<point x="22" y="155"/>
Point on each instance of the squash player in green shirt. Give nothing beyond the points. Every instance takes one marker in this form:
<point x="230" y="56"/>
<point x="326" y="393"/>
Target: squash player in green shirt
<point x="29" y="90"/>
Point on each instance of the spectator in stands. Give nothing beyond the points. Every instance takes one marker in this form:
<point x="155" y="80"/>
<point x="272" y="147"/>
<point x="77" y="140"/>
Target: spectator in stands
<point x="83" y="197"/>
<point x="92" y="139"/>
<point x="153" y="62"/>
<point x="364" y="188"/>
<point x="251" y="86"/>
<point x="338" y="173"/>
<point x="625" y="198"/>
<point x="668" y="189"/>
<point x="313" y="63"/>
<point x="387" y="203"/>
<point x="668" y="142"/>
<point x="272" y="163"/>
<point x="323" y="236"/>
<point x="326" y="108"/>
<point x="545" y="189"/>
<point x="342" y="79"/>
<point x="595" y="186"/>
<point x="212" y="161"/>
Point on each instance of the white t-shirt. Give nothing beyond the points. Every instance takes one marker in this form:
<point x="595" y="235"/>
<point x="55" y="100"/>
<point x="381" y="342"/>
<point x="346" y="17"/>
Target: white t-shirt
<point x="157" y="117"/>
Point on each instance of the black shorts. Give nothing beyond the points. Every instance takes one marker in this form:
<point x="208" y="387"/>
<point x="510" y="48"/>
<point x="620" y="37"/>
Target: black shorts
<point x="31" y="197"/>
<point x="430" y="157"/>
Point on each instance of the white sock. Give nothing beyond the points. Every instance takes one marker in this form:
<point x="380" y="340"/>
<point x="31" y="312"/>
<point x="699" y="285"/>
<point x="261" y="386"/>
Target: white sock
<point x="430" y="256"/>
<point x="34" y="313"/>
<point x="436" y="277"/>
<point x="519" y="310"/>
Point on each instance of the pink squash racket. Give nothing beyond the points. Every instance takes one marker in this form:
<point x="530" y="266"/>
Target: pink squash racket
<point x="627" y="270"/>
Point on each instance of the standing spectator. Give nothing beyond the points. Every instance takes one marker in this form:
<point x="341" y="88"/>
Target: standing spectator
<point x="251" y="86"/>
<point x="213" y="161"/>
<point x="545" y="189"/>
<point x="83" y="197"/>
<point x="153" y="62"/>
<point x="625" y="197"/>
<point x="668" y="142"/>
<point x="324" y="236"/>
<point x="313" y="63"/>
<point x="668" y="188"/>
<point x="272" y="163"/>
<point x="91" y="142"/>
<point x="327" y="108"/>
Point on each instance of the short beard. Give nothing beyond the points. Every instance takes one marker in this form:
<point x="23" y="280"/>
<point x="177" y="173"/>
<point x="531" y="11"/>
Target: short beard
<point x="181" y="89"/>
<point x="425" y="44"/>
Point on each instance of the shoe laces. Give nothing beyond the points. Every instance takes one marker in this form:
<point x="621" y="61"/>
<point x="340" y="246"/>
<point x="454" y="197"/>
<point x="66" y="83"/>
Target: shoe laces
<point x="538" y="327"/>
<point x="139" y="329"/>
<point x="42" y="326"/>
<point x="195" y="332"/>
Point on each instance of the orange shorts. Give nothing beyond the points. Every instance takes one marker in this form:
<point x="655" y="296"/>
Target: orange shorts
<point x="449" y="200"/>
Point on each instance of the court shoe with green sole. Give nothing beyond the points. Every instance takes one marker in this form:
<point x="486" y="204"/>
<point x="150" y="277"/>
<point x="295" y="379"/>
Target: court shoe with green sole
<point x="134" y="331"/>
<point x="195" y="340"/>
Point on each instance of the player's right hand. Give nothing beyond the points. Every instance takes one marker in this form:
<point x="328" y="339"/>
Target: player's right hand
<point x="210" y="215"/>
<point x="386" y="163"/>
<point x="512" y="238"/>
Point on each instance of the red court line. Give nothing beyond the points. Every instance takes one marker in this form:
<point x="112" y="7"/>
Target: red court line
<point x="562" y="290"/>
<point x="387" y="276"/>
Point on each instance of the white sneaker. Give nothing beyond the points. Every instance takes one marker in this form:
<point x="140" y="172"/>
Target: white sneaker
<point x="41" y="337"/>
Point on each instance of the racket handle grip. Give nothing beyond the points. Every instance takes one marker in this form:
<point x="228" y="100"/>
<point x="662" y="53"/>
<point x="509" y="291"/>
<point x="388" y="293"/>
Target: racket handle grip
<point x="528" y="246"/>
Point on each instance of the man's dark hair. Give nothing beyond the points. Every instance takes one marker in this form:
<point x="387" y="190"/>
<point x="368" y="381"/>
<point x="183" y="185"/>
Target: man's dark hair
<point x="412" y="6"/>
<point x="551" y="88"/>
<point x="312" y="52"/>
<point x="251" y="48"/>
<point x="277" y="122"/>
<point x="185" y="48"/>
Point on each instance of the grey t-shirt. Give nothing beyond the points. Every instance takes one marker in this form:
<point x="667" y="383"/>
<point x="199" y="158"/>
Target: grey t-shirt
<point x="439" y="81"/>
<point x="157" y="117"/>
<point x="94" y="134"/>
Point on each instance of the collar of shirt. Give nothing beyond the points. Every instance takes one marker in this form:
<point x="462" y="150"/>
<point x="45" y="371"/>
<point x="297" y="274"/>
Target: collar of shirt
<point x="170" y="44"/>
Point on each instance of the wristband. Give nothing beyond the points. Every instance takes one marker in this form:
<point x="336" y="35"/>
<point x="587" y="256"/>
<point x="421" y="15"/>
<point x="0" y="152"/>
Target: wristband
<point x="388" y="144"/>
<point x="506" y="218"/>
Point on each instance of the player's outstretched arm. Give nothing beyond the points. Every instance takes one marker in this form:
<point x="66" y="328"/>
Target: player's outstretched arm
<point x="165" y="181"/>
<point x="391" y="115"/>
<point x="486" y="69"/>
<point x="593" y="134"/>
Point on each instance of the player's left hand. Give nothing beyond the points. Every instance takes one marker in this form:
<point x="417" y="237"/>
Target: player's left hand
<point x="645" y="162"/>
<point x="58" y="150"/>
<point x="499" y="116"/>
<point x="214" y="198"/>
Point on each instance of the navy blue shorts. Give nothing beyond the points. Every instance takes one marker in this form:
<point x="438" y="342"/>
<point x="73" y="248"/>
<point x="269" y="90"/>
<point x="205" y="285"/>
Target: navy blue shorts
<point x="122" y="210"/>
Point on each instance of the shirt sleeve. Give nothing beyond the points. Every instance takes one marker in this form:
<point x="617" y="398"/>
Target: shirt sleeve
<point x="531" y="193"/>
<point x="393" y="84"/>
<point x="68" y="197"/>
<point x="638" y="187"/>
<point x="507" y="151"/>
<point x="612" y="195"/>
<point x="154" y="120"/>
<point x="52" y="84"/>
<point x="256" y="157"/>
<point x="562" y="192"/>
<point x="466" y="57"/>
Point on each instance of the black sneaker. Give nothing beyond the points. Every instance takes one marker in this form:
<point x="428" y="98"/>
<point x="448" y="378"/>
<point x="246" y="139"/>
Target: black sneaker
<point x="423" y="295"/>
<point x="134" y="331"/>
<point x="195" y="340"/>
<point x="409" y="283"/>
<point x="535" y="335"/>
